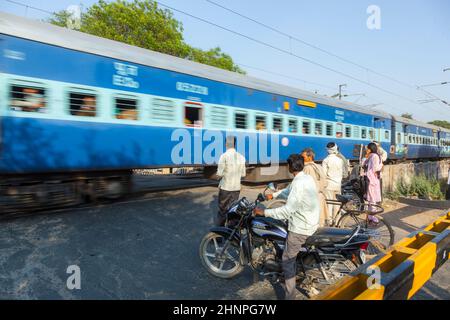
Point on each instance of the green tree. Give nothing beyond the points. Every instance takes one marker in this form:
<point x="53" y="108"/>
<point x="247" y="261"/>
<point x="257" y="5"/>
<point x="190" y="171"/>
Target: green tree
<point x="441" y="123"/>
<point x="143" y="24"/>
<point x="407" y="115"/>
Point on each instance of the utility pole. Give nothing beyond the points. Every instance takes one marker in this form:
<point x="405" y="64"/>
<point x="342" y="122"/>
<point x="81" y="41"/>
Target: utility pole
<point x="340" y="90"/>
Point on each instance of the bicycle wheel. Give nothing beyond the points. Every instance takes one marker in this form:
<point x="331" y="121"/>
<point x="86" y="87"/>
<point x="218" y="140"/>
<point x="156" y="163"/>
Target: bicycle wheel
<point x="382" y="234"/>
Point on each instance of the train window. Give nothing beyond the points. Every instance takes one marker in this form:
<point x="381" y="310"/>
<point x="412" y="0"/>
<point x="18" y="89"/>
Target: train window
<point x="399" y="137"/>
<point x="329" y="130"/>
<point x="163" y="110"/>
<point x="126" y="109"/>
<point x="277" y="124"/>
<point x="356" y="132"/>
<point x="306" y="126"/>
<point x="410" y="139"/>
<point x="27" y="98"/>
<point x="82" y="104"/>
<point x="260" y="122"/>
<point x="193" y="116"/>
<point x="240" y="120"/>
<point x="339" y="129"/>
<point x="318" y="128"/>
<point x="348" y="131"/>
<point x="363" y="133"/>
<point x="293" y="125"/>
<point x="219" y="117"/>
<point x="386" y="135"/>
<point x="371" y="136"/>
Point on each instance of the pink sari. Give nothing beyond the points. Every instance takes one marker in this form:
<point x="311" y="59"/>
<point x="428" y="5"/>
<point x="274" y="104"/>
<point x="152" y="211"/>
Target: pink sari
<point x="374" y="164"/>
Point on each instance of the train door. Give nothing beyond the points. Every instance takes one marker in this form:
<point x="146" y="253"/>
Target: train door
<point x="193" y="114"/>
<point x="379" y="128"/>
<point x="401" y="148"/>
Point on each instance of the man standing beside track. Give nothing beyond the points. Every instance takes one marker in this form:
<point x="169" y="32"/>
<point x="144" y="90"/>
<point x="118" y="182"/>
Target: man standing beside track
<point x="333" y="167"/>
<point x="231" y="168"/>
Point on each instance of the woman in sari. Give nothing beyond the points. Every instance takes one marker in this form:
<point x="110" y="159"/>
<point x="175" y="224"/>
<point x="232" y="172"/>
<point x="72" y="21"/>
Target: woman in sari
<point x="372" y="168"/>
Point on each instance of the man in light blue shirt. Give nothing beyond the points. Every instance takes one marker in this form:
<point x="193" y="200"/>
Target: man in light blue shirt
<point x="302" y="210"/>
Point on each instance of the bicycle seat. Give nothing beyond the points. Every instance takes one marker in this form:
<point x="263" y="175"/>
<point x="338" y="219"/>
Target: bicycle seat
<point x="343" y="198"/>
<point x="328" y="237"/>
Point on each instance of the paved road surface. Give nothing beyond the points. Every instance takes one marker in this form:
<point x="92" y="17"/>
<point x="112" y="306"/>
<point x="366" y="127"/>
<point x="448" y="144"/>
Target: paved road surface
<point x="142" y="249"/>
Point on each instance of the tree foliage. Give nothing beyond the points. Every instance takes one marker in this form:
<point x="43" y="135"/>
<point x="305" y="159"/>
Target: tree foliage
<point x="407" y="115"/>
<point x="441" y="123"/>
<point x="143" y="24"/>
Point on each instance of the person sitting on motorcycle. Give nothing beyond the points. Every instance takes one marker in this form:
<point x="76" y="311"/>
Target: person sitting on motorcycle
<point x="302" y="211"/>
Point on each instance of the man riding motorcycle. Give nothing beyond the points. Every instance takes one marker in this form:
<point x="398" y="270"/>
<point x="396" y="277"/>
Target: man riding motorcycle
<point x="302" y="211"/>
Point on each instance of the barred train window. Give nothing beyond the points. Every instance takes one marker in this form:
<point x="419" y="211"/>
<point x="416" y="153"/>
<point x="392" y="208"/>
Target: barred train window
<point x="162" y="110"/>
<point x="371" y="136"/>
<point x="306" y="126"/>
<point x="293" y="125"/>
<point x="240" y="120"/>
<point x="82" y="104"/>
<point x="126" y="109"/>
<point x="363" y="133"/>
<point x="27" y="98"/>
<point x="277" y="124"/>
<point x="386" y="135"/>
<point x="329" y="130"/>
<point x="260" y="122"/>
<point x="348" y="131"/>
<point x="318" y="129"/>
<point x="339" y="128"/>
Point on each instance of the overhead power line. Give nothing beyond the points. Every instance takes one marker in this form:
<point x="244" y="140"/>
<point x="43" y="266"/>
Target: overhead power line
<point x="291" y="37"/>
<point x="289" y="53"/>
<point x="28" y="6"/>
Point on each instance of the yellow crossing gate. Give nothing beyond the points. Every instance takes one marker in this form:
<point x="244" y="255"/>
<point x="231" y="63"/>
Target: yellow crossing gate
<point x="401" y="271"/>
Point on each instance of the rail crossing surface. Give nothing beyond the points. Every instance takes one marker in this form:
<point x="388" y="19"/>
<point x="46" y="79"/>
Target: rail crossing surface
<point x="145" y="248"/>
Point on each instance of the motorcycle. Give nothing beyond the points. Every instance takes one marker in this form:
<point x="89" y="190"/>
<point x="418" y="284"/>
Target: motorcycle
<point x="258" y="242"/>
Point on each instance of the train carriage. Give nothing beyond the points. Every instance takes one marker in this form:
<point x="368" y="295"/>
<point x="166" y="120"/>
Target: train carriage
<point x="76" y="106"/>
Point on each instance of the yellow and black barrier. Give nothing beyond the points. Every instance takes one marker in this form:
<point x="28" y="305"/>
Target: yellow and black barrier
<point x="401" y="271"/>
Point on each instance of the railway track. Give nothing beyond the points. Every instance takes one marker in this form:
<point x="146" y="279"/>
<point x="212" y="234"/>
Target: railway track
<point x="142" y="186"/>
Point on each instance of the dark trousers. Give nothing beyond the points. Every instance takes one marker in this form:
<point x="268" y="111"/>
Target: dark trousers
<point x="292" y="247"/>
<point x="226" y="199"/>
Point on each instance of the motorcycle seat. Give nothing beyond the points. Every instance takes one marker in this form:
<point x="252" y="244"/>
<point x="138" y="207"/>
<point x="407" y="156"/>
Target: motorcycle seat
<point x="328" y="237"/>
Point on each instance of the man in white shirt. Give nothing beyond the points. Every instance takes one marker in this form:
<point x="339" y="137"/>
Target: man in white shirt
<point x="231" y="168"/>
<point x="333" y="166"/>
<point x="302" y="210"/>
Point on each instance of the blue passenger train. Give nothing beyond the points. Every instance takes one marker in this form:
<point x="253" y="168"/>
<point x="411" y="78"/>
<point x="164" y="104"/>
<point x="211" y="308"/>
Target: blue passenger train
<point x="87" y="110"/>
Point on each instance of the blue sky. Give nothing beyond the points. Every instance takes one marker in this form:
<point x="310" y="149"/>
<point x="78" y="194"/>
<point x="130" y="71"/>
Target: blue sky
<point x="412" y="46"/>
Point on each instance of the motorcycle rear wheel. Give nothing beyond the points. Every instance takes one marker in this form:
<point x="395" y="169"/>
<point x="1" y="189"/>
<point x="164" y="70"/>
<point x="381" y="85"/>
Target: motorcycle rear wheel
<point x="209" y="251"/>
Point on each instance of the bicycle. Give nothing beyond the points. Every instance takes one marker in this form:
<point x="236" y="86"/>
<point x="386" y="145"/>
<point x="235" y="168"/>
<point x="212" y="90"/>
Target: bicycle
<point x="352" y="213"/>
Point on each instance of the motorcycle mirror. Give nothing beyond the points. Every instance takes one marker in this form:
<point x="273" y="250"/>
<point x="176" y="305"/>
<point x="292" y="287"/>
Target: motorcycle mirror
<point x="272" y="186"/>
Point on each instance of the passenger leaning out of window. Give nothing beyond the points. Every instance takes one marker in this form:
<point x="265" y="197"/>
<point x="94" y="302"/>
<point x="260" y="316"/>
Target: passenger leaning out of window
<point x="87" y="109"/>
<point x="32" y="101"/>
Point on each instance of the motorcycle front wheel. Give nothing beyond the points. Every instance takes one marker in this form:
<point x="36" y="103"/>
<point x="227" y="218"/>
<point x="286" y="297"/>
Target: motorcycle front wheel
<point x="224" y="265"/>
